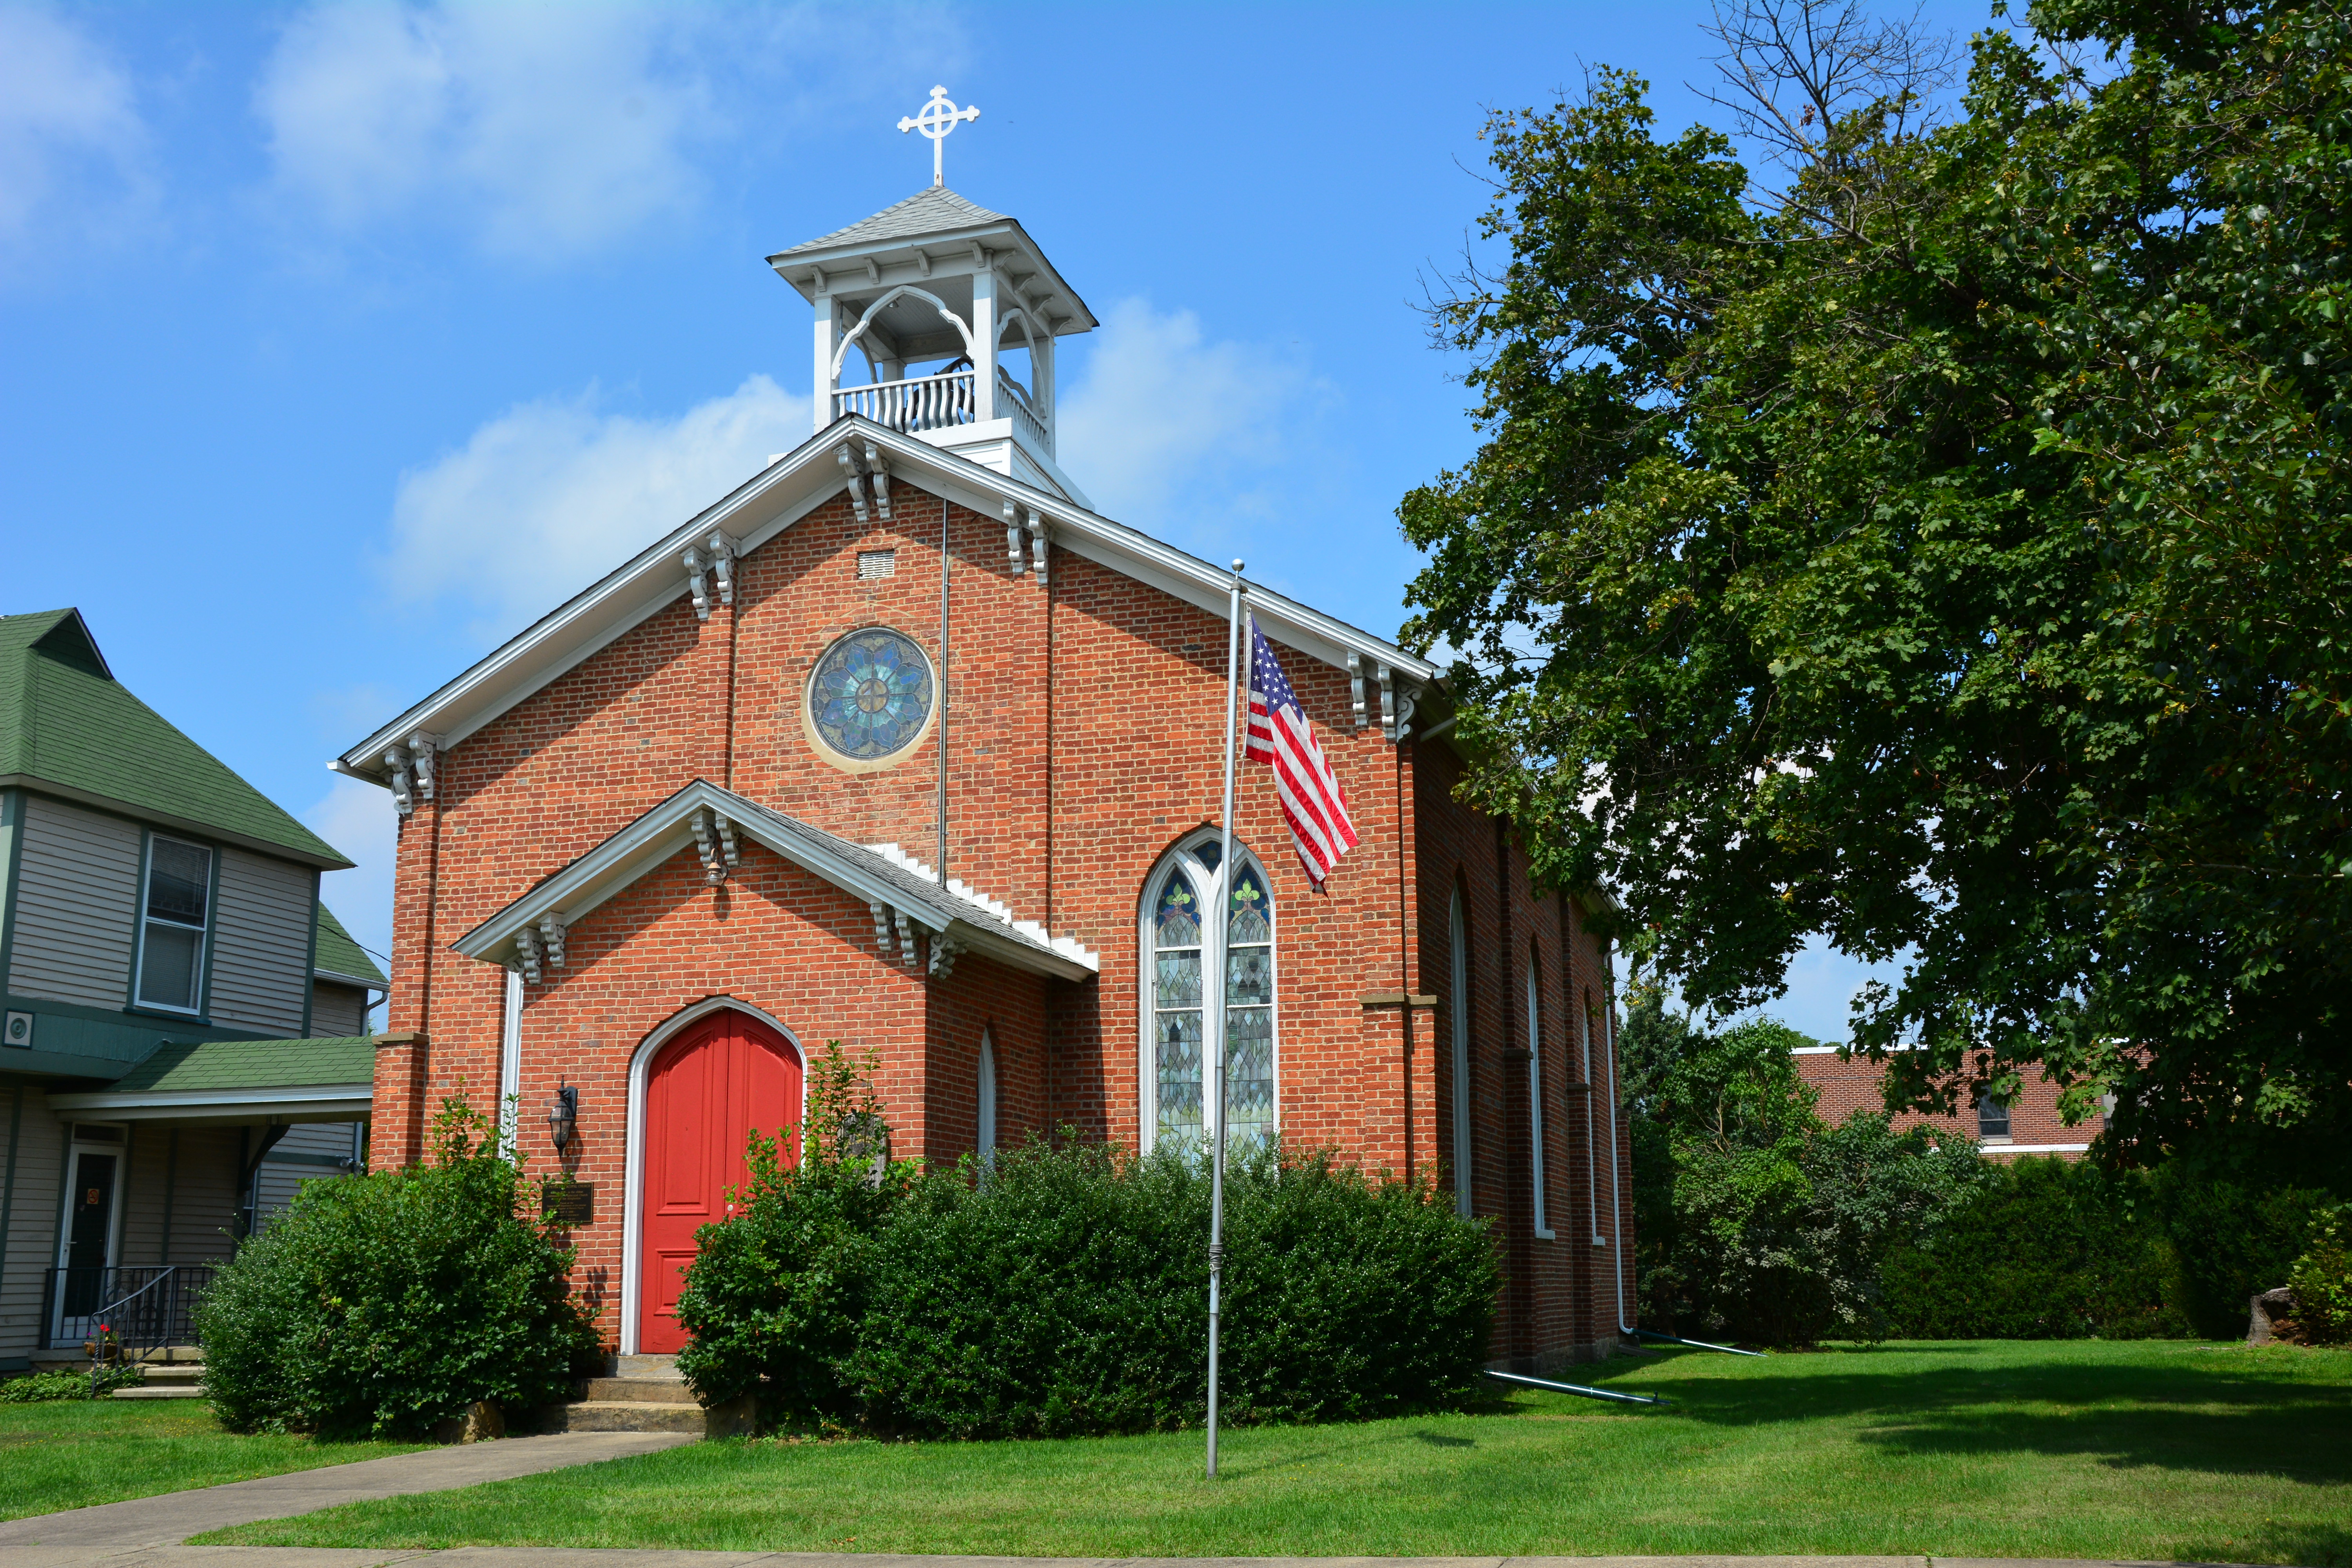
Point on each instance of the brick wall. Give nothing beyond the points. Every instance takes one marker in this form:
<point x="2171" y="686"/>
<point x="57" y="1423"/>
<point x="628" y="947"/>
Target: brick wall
<point x="1847" y="1086"/>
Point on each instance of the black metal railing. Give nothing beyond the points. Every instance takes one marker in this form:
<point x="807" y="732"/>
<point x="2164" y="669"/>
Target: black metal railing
<point x="141" y="1309"/>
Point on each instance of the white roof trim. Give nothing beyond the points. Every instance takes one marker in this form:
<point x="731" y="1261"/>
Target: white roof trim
<point x="782" y="494"/>
<point x="973" y="922"/>
<point x="314" y="1102"/>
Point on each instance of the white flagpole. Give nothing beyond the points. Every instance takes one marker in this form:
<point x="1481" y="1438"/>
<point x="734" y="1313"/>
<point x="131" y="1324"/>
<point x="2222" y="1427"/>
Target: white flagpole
<point x="1213" y="1037"/>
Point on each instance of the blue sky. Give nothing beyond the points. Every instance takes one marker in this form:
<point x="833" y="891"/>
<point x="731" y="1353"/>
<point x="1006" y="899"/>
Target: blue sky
<point x="342" y="341"/>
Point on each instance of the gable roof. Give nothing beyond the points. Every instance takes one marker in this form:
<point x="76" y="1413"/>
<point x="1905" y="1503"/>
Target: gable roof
<point x="69" y="729"/>
<point x="968" y="922"/>
<point x="335" y="956"/>
<point x="788" y="489"/>
<point x="928" y="211"/>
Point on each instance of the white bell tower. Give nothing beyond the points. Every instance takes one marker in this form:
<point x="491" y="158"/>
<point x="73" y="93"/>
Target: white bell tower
<point x="938" y="318"/>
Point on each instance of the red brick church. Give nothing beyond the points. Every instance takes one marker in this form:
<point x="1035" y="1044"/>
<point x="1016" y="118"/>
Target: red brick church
<point x="900" y="743"/>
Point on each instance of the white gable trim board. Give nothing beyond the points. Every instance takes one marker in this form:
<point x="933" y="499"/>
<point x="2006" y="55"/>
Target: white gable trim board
<point x="780" y="496"/>
<point x="530" y="932"/>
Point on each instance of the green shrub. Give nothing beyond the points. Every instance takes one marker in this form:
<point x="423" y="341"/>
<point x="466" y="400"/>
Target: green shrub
<point x="388" y="1302"/>
<point x="39" y="1387"/>
<point x="2231" y="1243"/>
<point x="2321" y="1278"/>
<point x="1063" y="1291"/>
<point x="2046" y="1250"/>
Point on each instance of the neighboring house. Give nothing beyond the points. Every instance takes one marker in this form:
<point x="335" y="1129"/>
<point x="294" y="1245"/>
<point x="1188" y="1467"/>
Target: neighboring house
<point x="688" y="826"/>
<point x="2029" y="1125"/>
<point x="185" y="1023"/>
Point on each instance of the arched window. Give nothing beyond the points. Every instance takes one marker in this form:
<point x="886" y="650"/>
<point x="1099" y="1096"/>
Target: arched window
<point x="1461" y="1002"/>
<point x="1185" y="984"/>
<point x="985" y="1141"/>
<point x="1534" y="1103"/>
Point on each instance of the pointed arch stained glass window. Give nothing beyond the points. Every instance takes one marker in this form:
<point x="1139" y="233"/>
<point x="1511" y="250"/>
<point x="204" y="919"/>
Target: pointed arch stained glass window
<point x="871" y="694"/>
<point x="1185" y="894"/>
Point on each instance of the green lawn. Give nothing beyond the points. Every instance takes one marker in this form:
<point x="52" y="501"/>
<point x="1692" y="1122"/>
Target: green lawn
<point x="75" y="1452"/>
<point x="2150" y="1450"/>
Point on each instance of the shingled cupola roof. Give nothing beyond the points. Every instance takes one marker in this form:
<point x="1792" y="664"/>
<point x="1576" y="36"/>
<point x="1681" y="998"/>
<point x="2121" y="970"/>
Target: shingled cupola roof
<point x="918" y="234"/>
<point x="68" y="728"/>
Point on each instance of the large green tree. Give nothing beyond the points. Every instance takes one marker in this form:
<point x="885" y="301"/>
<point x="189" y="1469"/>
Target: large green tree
<point x="1942" y="549"/>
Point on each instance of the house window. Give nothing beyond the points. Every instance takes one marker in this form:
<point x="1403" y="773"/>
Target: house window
<point x="1992" y="1119"/>
<point x="984" y="1142"/>
<point x="175" y="916"/>
<point x="1188" y="985"/>
<point x="1460" y="937"/>
<point x="1535" y="1104"/>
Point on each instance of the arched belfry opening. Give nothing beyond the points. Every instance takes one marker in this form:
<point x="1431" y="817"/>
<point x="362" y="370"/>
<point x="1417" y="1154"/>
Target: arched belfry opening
<point x="939" y="319"/>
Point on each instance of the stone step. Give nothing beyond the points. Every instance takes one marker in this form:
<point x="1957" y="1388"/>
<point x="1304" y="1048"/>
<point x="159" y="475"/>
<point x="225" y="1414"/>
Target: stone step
<point x="624" y="1416"/>
<point x="663" y="1367"/>
<point x="175" y="1374"/>
<point x="164" y="1391"/>
<point x="638" y="1391"/>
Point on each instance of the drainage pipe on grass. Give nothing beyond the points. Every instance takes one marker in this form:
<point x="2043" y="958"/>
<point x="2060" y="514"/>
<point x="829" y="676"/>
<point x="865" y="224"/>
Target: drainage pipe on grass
<point x="1617" y="1212"/>
<point x="1609" y="1393"/>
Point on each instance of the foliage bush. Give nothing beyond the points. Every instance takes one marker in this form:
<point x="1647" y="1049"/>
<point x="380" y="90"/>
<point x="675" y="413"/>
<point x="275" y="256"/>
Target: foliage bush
<point x="2321" y="1278"/>
<point x="1756" y="1219"/>
<point x="2230" y="1242"/>
<point x="388" y="1302"/>
<point x="39" y="1387"/>
<point x="2047" y="1249"/>
<point x="1064" y="1291"/>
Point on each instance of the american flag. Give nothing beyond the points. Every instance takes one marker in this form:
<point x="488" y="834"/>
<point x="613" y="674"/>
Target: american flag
<point x="1313" y="803"/>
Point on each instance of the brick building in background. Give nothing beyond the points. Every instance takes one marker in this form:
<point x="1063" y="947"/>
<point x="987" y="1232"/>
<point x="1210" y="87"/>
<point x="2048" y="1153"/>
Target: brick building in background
<point x="902" y="744"/>
<point x="2029" y="1125"/>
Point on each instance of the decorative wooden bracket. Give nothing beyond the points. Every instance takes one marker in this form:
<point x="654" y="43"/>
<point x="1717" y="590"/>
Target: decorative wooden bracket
<point x="843" y="455"/>
<point x="1012" y="537"/>
<point x="694" y="582"/>
<point x="1037" y="544"/>
<point x="880" y="468"/>
<point x="722" y="553"/>
<point x="422" y="747"/>
<point x="527" y="947"/>
<point x="943" y="955"/>
<point x="1388" y="701"/>
<point x="906" y="940"/>
<point x="1356" y="686"/>
<point x="714" y="843"/>
<point x="550" y="932"/>
<point x="403" y="796"/>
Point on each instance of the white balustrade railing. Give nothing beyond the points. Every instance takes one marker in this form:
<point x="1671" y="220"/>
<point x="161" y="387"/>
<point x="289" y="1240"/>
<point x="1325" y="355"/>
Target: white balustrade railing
<point x="917" y="402"/>
<point x="1015" y="404"/>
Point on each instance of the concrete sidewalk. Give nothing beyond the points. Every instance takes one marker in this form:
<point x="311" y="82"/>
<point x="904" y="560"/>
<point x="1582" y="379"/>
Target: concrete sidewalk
<point x="576" y="1557"/>
<point x="144" y="1524"/>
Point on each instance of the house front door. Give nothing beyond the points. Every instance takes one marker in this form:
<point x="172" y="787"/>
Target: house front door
<point x="88" y="1239"/>
<point x="723" y="1077"/>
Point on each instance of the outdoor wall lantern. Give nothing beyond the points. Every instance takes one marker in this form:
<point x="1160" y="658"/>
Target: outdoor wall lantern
<point x="563" y="1115"/>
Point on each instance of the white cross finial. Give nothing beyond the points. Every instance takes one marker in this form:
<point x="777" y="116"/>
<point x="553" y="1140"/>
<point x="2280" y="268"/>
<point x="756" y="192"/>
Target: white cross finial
<point x="938" y="118"/>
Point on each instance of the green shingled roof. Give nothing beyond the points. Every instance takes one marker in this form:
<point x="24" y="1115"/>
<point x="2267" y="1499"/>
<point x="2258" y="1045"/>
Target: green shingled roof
<point x="252" y="1064"/>
<point x="66" y="722"/>
<point x="338" y="954"/>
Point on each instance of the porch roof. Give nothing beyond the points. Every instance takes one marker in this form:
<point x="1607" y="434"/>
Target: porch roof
<point x="886" y="880"/>
<point x="325" y="1079"/>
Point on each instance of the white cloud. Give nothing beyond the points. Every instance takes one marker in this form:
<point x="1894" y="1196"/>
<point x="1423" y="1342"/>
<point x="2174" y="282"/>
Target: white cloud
<point x="68" y="123"/>
<point x="543" y="131"/>
<point x="1160" y="416"/>
<point x="358" y="819"/>
<point x="543" y="128"/>
<point x="550" y="494"/>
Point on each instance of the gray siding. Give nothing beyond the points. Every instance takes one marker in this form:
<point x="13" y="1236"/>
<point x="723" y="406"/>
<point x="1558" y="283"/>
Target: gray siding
<point x="77" y="906"/>
<point x="204" y="1197"/>
<point x="142" y="1199"/>
<point x="29" y="1248"/>
<point x="337" y="1011"/>
<point x="261" y="943"/>
<point x="277" y="1182"/>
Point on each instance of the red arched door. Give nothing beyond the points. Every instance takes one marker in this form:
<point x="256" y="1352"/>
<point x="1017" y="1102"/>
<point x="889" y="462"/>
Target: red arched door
<point x="707" y="1089"/>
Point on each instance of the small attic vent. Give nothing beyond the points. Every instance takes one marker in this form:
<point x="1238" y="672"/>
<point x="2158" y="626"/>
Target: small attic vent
<point x="873" y="563"/>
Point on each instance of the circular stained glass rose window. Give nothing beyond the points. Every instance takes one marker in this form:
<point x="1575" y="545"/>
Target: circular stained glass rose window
<point x="871" y="694"/>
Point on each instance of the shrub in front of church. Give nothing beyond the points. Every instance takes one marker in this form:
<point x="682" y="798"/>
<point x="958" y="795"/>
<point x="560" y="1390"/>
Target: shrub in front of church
<point x="1067" y="1293"/>
<point x="386" y="1304"/>
<point x="777" y="1293"/>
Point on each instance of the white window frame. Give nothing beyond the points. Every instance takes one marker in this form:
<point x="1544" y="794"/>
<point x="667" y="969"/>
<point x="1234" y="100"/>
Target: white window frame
<point x="204" y="932"/>
<point x="1212" y="887"/>
<point x="1535" y="1102"/>
<point x="1460" y="937"/>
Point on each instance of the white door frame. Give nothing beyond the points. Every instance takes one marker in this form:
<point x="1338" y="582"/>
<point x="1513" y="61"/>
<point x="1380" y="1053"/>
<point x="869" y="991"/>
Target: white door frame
<point x="76" y="1146"/>
<point x="634" y="1184"/>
